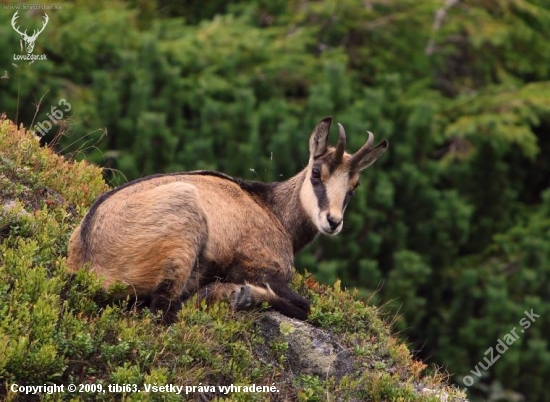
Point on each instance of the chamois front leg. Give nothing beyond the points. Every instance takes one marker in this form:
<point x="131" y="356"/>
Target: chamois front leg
<point x="287" y="302"/>
<point x="239" y="297"/>
<point x="276" y="293"/>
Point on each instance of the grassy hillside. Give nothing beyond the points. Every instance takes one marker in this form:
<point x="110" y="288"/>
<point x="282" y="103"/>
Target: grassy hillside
<point x="59" y="329"/>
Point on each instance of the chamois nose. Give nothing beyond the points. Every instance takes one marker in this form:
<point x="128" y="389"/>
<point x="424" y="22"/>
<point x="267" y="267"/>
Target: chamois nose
<point x="333" y="222"/>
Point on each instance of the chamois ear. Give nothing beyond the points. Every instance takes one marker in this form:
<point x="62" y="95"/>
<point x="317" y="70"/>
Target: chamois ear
<point x="319" y="138"/>
<point x="368" y="154"/>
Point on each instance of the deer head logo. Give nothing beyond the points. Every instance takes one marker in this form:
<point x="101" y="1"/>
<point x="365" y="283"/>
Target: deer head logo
<point x="29" y="40"/>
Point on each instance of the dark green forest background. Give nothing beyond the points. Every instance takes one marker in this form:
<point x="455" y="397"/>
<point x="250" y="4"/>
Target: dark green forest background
<point x="451" y="227"/>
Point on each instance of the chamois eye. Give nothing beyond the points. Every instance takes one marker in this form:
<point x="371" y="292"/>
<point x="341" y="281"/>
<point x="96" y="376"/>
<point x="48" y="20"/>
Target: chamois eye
<point x="352" y="191"/>
<point x="316" y="173"/>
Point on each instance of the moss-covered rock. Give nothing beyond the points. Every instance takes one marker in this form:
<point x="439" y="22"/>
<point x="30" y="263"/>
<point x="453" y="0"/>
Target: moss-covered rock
<point x="56" y="328"/>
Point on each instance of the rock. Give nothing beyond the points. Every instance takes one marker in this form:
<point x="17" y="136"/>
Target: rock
<point x="8" y="206"/>
<point x="310" y="350"/>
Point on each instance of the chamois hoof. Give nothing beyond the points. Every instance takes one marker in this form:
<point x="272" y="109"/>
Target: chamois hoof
<point x="298" y="308"/>
<point x="241" y="299"/>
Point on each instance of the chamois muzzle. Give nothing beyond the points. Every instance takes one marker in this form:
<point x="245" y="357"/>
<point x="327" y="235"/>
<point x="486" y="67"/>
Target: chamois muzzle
<point x="333" y="222"/>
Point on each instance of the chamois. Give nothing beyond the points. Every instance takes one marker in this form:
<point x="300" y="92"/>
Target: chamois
<point x="169" y="236"/>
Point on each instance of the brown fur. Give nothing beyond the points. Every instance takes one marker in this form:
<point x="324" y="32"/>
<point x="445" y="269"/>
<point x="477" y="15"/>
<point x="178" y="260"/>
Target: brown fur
<point x="169" y="236"/>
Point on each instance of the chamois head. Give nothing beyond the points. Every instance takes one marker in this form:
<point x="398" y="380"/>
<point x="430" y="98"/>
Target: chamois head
<point x="332" y="175"/>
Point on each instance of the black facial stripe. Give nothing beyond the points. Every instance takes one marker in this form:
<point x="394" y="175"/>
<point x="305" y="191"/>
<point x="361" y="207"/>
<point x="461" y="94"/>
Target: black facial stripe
<point x="332" y="166"/>
<point x="321" y="193"/>
<point x="347" y="199"/>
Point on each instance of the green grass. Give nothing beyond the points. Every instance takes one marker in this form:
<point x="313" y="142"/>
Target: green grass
<point x="57" y="328"/>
